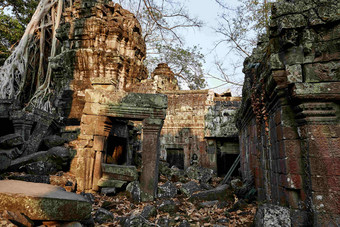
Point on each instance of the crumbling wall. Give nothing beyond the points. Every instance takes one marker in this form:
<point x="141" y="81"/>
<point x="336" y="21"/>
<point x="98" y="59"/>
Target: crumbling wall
<point x="101" y="45"/>
<point x="198" y="122"/>
<point x="289" y="117"/>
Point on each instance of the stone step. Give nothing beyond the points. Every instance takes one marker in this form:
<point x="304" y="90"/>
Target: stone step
<point x="119" y="172"/>
<point x="43" y="201"/>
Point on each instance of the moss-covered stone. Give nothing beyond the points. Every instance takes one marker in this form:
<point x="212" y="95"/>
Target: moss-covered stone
<point x="129" y="171"/>
<point x="42" y="201"/>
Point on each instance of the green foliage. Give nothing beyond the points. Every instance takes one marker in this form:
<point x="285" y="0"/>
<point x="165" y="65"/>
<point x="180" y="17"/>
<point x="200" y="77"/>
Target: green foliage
<point x="14" y="16"/>
<point x="185" y="63"/>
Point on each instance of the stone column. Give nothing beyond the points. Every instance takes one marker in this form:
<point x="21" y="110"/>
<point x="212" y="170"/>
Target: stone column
<point x="98" y="146"/>
<point x="150" y="158"/>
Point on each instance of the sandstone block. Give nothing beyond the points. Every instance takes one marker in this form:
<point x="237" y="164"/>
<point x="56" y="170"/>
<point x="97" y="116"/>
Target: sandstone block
<point x="42" y="201"/>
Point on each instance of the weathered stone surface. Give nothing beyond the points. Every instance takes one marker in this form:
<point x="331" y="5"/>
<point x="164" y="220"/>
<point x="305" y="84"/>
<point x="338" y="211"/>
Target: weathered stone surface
<point x="11" y="153"/>
<point x="134" y="190"/>
<point x="103" y="216"/>
<point x="168" y="206"/>
<point x="272" y="215"/>
<point x="43" y="162"/>
<point x="127" y="173"/>
<point x="164" y="168"/>
<point x="167" y="190"/>
<point x="239" y="205"/>
<point x="31" y="178"/>
<point x="89" y="197"/>
<point x="5" y="162"/>
<point x="11" y="140"/>
<point x="43" y="202"/>
<point x="41" y="168"/>
<point x="177" y="174"/>
<point x="149" y="211"/>
<point x="53" y="141"/>
<point x="199" y="173"/>
<point x="220" y="193"/>
<point x="289" y="114"/>
<point x="189" y="188"/>
<point x="108" y="183"/>
<point x="108" y="191"/>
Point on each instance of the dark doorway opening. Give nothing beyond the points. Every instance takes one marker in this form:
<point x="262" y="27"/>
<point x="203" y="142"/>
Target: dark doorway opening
<point x="116" y="151"/>
<point x="6" y="126"/>
<point x="224" y="163"/>
<point x="175" y="157"/>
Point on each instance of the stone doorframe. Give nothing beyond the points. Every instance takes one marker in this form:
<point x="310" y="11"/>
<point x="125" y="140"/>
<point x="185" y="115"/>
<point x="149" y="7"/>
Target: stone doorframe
<point x="100" y="106"/>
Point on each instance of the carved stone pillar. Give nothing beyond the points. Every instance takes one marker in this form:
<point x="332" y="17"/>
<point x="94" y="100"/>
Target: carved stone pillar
<point x="98" y="146"/>
<point x="150" y="158"/>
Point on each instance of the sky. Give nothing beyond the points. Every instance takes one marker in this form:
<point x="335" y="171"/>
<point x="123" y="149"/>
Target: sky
<point x="208" y="11"/>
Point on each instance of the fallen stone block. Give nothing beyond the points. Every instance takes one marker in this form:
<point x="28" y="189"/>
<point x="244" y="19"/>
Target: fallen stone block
<point x="11" y="140"/>
<point x="53" y="141"/>
<point x="134" y="190"/>
<point x="149" y="211"/>
<point x="221" y="193"/>
<point x="168" y="206"/>
<point x="108" y="183"/>
<point x="45" y="162"/>
<point x="199" y="173"/>
<point x="120" y="172"/>
<point x="108" y="191"/>
<point x="167" y="190"/>
<point x="189" y="188"/>
<point x="42" y="201"/>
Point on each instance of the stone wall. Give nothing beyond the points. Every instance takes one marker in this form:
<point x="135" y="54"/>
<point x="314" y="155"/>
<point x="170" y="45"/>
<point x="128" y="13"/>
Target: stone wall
<point x="198" y="122"/>
<point x="101" y="45"/>
<point x="289" y="117"/>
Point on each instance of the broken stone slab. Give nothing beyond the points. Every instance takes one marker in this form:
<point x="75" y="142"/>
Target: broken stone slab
<point x="272" y="215"/>
<point x="167" y="190"/>
<point x="31" y="178"/>
<point x="221" y="193"/>
<point x="108" y="183"/>
<point x="103" y="216"/>
<point x="149" y="211"/>
<point x="42" y="201"/>
<point x="41" y="168"/>
<point x="108" y="191"/>
<point x="53" y="141"/>
<point x="58" y="155"/>
<point x="199" y="173"/>
<point x="11" y="140"/>
<point x="164" y="168"/>
<point x="189" y="188"/>
<point x="120" y="172"/>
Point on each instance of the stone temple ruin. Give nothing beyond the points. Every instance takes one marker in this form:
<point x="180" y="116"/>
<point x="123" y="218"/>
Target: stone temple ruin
<point x="289" y="117"/>
<point x="101" y="98"/>
<point x="83" y="93"/>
